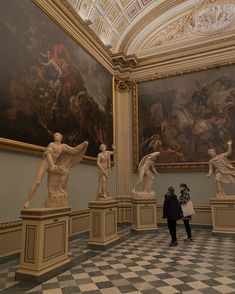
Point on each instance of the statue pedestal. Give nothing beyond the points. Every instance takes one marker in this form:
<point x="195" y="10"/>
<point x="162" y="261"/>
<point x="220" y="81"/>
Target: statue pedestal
<point x="44" y="250"/>
<point x="223" y="214"/>
<point x="103" y="230"/>
<point x="144" y="215"/>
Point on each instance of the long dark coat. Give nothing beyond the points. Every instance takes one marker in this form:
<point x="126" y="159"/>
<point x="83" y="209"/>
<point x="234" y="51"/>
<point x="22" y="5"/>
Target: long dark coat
<point x="171" y="207"/>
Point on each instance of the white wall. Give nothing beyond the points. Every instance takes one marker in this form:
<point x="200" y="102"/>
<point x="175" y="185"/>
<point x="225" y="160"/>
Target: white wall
<point x="17" y="171"/>
<point x="201" y="188"/>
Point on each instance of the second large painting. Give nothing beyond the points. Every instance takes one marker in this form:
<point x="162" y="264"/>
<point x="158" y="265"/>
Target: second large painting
<point x="183" y="116"/>
<point x="48" y="83"/>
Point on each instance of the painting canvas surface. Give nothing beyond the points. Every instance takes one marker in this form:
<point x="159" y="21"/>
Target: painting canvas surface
<point x="48" y="83"/>
<point x="183" y="116"/>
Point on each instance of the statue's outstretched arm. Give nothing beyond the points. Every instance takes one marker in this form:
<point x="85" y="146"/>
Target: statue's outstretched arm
<point x="229" y="151"/>
<point x="48" y="152"/>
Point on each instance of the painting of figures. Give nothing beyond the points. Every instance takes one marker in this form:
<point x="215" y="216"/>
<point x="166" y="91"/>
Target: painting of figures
<point x="48" y="83"/>
<point x="183" y="116"/>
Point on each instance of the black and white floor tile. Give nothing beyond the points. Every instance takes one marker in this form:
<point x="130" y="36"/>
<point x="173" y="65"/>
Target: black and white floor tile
<point x="77" y="248"/>
<point x="146" y="264"/>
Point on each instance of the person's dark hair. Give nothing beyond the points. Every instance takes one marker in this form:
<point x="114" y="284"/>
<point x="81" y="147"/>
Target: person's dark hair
<point x="171" y="189"/>
<point x="184" y="186"/>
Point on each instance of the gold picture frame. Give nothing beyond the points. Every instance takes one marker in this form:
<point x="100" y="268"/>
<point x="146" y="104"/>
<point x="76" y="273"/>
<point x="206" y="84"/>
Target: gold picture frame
<point x="63" y="16"/>
<point x="167" y="167"/>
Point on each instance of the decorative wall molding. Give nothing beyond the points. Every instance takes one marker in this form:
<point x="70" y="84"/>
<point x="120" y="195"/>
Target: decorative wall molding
<point x="124" y="63"/>
<point x="122" y="84"/>
<point x="10" y="224"/>
<point x="171" y="65"/>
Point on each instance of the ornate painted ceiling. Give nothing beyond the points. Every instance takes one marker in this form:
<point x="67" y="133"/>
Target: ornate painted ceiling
<point x="151" y="27"/>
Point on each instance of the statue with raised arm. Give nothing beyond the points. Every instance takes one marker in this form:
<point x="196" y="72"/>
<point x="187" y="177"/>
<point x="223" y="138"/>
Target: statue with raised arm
<point x="224" y="170"/>
<point x="104" y="169"/>
<point x="57" y="161"/>
<point x="146" y="172"/>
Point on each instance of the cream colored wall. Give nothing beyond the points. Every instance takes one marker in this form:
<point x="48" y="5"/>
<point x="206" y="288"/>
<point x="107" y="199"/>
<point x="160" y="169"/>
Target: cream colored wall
<point x="17" y="171"/>
<point x="201" y="188"/>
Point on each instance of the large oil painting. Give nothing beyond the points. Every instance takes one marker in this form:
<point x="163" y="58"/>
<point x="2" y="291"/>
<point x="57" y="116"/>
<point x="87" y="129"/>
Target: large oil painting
<point x="48" y="83"/>
<point x="183" y="116"/>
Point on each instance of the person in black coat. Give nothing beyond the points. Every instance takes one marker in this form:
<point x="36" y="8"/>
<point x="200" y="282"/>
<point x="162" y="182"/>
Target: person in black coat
<point x="171" y="211"/>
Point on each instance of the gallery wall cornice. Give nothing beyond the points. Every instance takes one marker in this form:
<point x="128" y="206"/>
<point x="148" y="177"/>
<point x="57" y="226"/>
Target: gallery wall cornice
<point x="124" y="63"/>
<point x="157" y="69"/>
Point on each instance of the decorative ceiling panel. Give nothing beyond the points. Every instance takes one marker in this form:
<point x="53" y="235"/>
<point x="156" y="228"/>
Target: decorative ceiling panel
<point x="213" y="18"/>
<point x="118" y="14"/>
<point x="151" y="27"/>
<point x="184" y="26"/>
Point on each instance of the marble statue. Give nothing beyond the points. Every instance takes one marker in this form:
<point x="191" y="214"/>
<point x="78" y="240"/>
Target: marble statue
<point x="224" y="171"/>
<point x="57" y="161"/>
<point x="146" y="172"/>
<point x="104" y="168"/>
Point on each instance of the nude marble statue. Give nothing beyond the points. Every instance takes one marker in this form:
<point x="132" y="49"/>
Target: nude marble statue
<point x="224" y="170"/>
<point x="146" y="172"/>
<point x="57" y="161"/>
<point x="104" y="170"/>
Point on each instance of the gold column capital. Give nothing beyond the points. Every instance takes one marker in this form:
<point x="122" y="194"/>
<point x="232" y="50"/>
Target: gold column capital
<point x="123" y="84"/>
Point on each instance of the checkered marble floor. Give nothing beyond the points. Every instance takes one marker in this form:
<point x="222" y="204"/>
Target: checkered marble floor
<point x="77" y="248"/>
<point x="146" y="264"/>
<point x="7" y="274"/>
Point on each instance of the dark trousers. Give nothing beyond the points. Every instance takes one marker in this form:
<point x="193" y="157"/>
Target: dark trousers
<point x="187" y="227"/>
<point x="172" y="229"/>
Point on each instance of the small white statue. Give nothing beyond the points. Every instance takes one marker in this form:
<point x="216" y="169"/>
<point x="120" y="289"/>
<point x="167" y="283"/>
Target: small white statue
<point x="224" y="171"/>
<point x="57" y="161"/>
<point x="146" y="171"/>
<point x="104" y="168"/>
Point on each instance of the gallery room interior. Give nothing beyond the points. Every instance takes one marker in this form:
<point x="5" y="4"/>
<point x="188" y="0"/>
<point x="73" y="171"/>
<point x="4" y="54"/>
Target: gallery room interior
<point x="117" y="146"/>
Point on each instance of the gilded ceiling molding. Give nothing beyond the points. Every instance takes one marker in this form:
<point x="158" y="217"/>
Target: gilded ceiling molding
<point x="65" y="17"/>
<point x="183" y="66"/>
<point x="122" y="84"/>
<point x="124" y="63"/>
<point x="216" y="45"/>
<point x="153" y="14"/>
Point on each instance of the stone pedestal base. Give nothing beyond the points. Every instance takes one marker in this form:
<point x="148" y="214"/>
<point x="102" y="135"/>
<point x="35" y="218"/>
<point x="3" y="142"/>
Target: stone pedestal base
<point x="44" y="243"/>
<point x="144" y="215"/>
<point x="103" y="231"/>
<point x="124" y="209"/>
<point x="223" y="214"/>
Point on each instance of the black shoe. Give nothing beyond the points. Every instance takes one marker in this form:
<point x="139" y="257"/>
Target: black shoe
<point x="188" y="240"/>
<point x="175" y="243"/>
